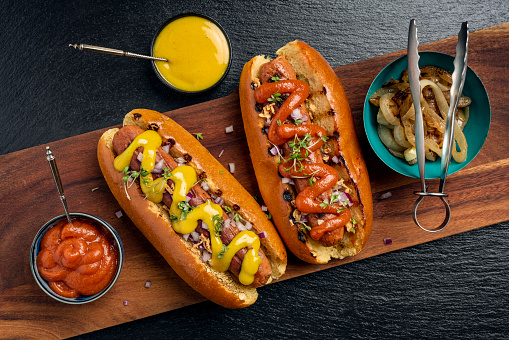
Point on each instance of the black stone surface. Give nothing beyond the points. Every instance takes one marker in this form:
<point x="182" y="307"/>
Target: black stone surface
<point x="451" y="288"/>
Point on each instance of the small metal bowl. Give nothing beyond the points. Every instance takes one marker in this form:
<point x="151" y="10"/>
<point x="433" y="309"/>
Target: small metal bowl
<point x="475" y="131"/>
<point x="170" y="85"/>
<point x="106" y="228"/>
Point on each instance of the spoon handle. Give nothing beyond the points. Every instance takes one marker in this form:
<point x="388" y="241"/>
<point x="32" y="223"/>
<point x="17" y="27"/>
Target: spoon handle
<point x="56" y="176"/>
<point x="107" y="50"/>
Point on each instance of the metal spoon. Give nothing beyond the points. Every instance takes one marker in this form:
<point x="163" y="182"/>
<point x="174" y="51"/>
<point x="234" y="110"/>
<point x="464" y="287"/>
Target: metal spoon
<point x="58" y="182"/>
<point x="106" y="50"/>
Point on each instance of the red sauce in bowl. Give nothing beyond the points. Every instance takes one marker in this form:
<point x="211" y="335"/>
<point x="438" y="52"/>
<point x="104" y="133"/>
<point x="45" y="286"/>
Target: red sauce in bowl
<point x="77" y="259"/>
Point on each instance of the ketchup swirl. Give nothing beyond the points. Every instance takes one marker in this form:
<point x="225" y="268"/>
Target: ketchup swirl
<point x="280" y="133"/>
<point x="76" y="259"/>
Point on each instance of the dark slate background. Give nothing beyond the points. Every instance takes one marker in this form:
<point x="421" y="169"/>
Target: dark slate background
<point x="455" y="287"/>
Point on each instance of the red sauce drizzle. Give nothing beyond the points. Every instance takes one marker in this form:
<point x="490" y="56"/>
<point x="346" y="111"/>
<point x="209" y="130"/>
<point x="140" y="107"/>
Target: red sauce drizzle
<point x="280" y="133"/>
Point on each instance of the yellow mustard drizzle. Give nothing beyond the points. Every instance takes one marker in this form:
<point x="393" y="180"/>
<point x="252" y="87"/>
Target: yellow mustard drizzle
<point x="184" y="177"/>
<point x="153" y="190"/>
<point x="210" y="213"/>
<point x="251" y="260"/>
<point x="150" y="141"/>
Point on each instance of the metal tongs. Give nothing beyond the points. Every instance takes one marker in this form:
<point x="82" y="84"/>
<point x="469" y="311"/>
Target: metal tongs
<point x="458" y="80"/>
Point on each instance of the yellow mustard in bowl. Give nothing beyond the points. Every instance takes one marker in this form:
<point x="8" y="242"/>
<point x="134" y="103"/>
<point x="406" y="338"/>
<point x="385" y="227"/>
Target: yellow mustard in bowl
<point x="198" y="50"/>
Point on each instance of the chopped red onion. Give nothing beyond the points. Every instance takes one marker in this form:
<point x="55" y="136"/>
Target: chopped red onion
<point x="285" y="180"/>
<point x="385" y="195"/>
<point x="220" y="154"/>
<point x="186" y="236"/>
<point x="387" y="240"/>
<point x="204" y="185"/>
<point x="219" y="200"/>
<point x="335" y="159"/>
<point x="118" y="213"/>
<point x="229" y="129"/>
<point x="158" y="168"/>
<point x="304" y="218"/>
<point x="226" y="223"/>
<point x="344" y="197"/>
<point x="140" y="157"/>
<point x="206" y="255"/>
<point x="267" y="122"/>
<point x="148" y="284"/>
<point x="195" y="236"/>
<point x="189" y="196"/>
<point x="263" y="234"/>
<point x="296" y="114"/>
<point x="204" y="225"/>
<point x="180" y="160"/>
<point x="166" y="148"/>
<point x="264" y="208"/>
<point x="350" y="202"/>
<point x="248" y="225"/>
<point x="126" y="303"/>
<point x="274" y="151"/>
<point x="232" y="167"/>
<point x="233" y="223"/>
<point x="240" y="226"/>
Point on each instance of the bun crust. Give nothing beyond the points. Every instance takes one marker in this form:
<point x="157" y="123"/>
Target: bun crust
<point x="330" y="109"/>
<point x="154" y="222"/>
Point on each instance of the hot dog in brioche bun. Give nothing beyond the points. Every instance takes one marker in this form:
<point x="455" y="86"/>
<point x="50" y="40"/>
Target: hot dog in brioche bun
<point x="203" y="222"/>
<point x="305" y="153"/>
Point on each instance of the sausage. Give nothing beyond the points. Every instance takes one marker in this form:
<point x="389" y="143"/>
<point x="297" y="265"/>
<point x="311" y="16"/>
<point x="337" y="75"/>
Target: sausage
<point x="279" y="67"/>
<point x="123" y="138"/>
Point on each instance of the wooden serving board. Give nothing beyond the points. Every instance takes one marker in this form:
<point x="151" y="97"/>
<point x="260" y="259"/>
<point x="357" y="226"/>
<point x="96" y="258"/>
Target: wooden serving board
<point x="479" y="190"/>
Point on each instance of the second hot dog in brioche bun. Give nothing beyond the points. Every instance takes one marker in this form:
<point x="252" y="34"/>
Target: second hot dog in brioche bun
<point x="305" y="153"/>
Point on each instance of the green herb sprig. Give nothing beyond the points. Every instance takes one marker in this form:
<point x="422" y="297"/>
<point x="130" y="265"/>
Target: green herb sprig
<point x="275" y="98"/>
<point x="186" y="208"/>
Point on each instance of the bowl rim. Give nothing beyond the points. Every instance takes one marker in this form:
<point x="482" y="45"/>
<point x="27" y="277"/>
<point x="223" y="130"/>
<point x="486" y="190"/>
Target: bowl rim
<point x="34" y="250"/>
<point x="375" y="141"/>
<point x="182" y="15"/>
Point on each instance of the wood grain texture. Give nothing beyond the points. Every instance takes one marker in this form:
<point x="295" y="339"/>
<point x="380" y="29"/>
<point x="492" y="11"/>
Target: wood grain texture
<point x="477" y="191"/>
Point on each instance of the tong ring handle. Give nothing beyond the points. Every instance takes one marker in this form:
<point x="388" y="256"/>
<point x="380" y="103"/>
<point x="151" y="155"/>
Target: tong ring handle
<point x="435" y="194"/>
<point x="442" y="196"/>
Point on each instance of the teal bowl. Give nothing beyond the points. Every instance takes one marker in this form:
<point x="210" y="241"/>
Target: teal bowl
<point x="475" y="131"/>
